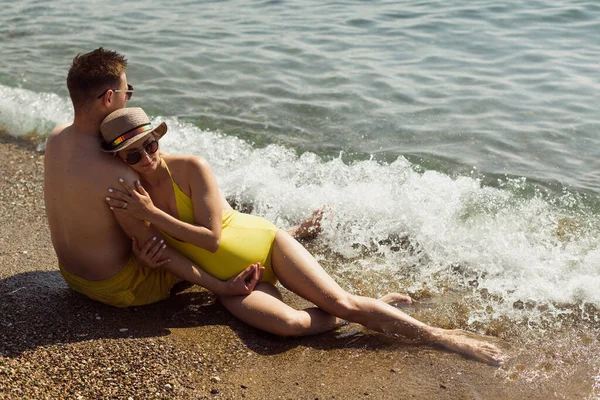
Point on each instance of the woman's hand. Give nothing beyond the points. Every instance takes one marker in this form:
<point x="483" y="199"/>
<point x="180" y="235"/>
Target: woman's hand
<point x="244" y="282"/>
<point x="134" y="201"/>
<point x="151" y="254"/>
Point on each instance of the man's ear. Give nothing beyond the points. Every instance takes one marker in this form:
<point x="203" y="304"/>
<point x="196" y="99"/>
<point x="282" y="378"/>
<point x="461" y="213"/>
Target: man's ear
<point x="108" y="97"/>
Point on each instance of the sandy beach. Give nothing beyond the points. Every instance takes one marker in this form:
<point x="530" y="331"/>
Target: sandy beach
<point x="55" y="343"/>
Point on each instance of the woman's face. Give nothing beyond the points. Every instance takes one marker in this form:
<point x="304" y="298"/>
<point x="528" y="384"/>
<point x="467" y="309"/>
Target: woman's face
<point x="143" y="156"/>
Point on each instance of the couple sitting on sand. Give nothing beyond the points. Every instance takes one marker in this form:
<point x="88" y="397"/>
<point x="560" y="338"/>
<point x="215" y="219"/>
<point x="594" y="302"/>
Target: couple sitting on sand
<point x="108" y="184"/>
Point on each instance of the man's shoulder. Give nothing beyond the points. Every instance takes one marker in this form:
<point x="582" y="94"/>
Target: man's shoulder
<point x="55" y="134"/>
<point x="59" y="129"/>
<point x="113" y="167"/>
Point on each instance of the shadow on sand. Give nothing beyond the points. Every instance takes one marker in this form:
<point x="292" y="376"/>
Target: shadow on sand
<point x="38" y="309"/>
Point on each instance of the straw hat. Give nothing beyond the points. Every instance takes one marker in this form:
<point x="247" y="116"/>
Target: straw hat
<point x="126" y="126"/>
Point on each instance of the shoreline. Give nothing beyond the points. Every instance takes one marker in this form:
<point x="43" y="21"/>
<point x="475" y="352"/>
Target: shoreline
<point x="55" y="343"/>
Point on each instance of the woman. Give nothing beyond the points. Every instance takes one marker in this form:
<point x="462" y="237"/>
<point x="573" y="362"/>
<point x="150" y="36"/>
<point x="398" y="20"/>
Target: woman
<point x="179" y="195"/>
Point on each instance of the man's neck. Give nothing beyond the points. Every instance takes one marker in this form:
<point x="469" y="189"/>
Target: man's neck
<point x="87" y="124"/>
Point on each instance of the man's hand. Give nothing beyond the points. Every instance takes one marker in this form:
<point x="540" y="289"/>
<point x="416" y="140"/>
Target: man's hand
<point x="243" y="283"/>
<point x="311" y="227"/>
<point x="134" y="201"/>
<point x="150" y="255"/>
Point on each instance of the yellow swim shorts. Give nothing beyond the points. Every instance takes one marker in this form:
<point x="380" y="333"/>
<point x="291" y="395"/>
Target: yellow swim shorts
<point x="134" y="285"/>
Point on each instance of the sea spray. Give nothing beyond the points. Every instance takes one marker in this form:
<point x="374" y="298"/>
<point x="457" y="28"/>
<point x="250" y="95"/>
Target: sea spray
<point x="534" y="252"/>
<point x="27" y="113"/>
<point x="427" y="228"/>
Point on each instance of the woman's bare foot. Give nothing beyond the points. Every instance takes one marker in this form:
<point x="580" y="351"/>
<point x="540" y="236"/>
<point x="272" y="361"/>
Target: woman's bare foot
<point x="396" y="299"/>
<point x="310" y="227"/>
<point x="470" y="345"/>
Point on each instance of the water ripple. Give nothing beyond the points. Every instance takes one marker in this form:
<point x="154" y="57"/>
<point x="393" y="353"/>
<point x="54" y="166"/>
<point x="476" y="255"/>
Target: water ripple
<point x="386" y="75"/>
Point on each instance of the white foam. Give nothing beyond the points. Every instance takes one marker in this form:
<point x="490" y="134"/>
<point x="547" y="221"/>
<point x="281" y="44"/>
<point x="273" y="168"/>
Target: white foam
<point x="428" y="228"/>
<point x="508" y="243"/>
<point x="23" y="112"/>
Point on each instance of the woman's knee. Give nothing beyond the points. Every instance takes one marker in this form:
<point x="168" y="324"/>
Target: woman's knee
<point x="345" y="306"/>
<point x="295" y="323"/>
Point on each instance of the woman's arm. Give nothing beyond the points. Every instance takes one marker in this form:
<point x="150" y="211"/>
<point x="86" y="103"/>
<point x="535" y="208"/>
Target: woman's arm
<point x="207" y="207"/>
<point x="194" y="234"/>
<point x="179" y="265"/>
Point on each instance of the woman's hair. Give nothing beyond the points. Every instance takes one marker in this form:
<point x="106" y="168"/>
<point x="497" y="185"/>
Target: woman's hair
<point x="93" y="73"/>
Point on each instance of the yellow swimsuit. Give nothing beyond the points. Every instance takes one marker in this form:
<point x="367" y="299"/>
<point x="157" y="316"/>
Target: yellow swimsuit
<point x="245" y="240"/>
<point x="134" y="285"/>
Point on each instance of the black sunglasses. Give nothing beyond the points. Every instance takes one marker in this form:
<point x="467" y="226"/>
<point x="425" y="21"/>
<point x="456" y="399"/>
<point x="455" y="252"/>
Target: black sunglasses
<point x="135" y="156"/>
<point x="129" y="92"/>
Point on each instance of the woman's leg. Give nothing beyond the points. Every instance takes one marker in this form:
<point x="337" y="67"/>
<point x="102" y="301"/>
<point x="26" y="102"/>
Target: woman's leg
<point x="264" y="309"/>
<point x="298" y="271"/>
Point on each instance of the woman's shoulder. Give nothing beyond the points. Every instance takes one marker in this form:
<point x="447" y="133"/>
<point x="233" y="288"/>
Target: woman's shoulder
<point x="185" y="164"/>
<point x="186" y="169"/>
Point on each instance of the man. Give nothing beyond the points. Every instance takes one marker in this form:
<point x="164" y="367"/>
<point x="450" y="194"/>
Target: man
<point x="92" y="244"/>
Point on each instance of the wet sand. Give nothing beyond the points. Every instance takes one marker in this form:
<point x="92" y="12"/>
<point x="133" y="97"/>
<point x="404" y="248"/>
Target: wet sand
<point x="55" y="343"/>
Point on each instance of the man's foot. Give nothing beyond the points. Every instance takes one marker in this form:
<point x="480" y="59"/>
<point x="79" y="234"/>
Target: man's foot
<point x="310" y="227"/>
<point x="470" y="345"/>
<point x="396" y="299"/>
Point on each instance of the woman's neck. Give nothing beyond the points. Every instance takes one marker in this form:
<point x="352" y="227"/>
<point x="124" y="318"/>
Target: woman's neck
<point x="157" y="177"/>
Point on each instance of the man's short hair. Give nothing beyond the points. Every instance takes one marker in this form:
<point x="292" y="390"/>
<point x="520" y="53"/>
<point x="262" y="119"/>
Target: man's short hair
<point x="93" y="73"/>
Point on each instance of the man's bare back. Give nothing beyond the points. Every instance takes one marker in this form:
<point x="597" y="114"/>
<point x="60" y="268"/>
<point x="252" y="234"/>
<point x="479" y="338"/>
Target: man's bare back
<point x="91" y="242"/>
<point x="88" y="240"/>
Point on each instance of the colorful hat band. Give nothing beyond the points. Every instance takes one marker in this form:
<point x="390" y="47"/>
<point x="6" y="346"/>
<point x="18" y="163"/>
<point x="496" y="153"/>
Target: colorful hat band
<point x="129" y="134"/>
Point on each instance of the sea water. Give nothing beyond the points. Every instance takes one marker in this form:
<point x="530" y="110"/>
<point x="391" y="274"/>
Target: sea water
<point x="455" y="143"/>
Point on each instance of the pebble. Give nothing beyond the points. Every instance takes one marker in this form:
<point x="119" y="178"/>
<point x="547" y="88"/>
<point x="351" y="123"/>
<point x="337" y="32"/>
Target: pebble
<point x="123" y="330"/>
<point x="215" y="379"/>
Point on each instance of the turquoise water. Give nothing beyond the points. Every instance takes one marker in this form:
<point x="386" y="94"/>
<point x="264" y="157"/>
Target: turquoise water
<point x="457" y="142"/>
<point x="468" y="127"/>
<point x="508" y="89"/>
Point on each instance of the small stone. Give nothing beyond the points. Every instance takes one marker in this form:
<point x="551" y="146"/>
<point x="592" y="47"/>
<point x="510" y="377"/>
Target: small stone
<point x="442" y="386"/>
<point x="168" y="386"/>
<point x="214" y="391"/>
<point x="244" y="387"/>
<point x="519" y="305"/>
<point x="98" y="318"/>
<point x="215" y="379"/>
<point x="123" y="330"/>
